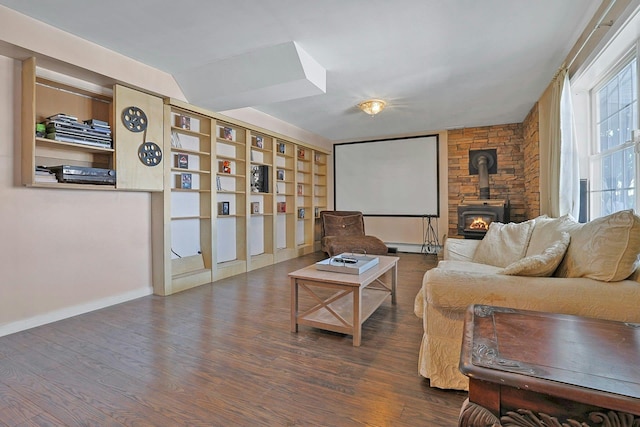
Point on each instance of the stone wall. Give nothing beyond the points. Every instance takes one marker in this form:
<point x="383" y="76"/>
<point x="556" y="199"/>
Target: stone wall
<point x="531" y="150"/>
<point x="509" y="181"/>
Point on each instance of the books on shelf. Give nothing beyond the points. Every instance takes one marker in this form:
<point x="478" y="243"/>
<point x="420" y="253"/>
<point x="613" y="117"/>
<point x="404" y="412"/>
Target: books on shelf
<point x="223" y="208"/>
<point x="227" y="133"/>
<point x="183" y="122"/>
<point x="185" y="181"/>
<point x="182" y="161"/>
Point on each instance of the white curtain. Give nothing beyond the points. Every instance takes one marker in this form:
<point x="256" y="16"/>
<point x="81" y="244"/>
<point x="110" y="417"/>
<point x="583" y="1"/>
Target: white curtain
<point x="564" y="179"/>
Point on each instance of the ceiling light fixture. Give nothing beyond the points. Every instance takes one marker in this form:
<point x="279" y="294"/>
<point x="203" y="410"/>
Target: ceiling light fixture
<point x="372" y="106"/>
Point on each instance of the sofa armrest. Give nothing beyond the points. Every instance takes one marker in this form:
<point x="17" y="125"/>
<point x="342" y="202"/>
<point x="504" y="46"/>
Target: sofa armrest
<point x="460" y="249"/>
<point x="450" y="290"/>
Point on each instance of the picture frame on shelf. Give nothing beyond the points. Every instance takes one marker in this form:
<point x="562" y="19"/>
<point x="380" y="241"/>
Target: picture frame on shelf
<point x="255" y="207"/>
<point x="301" y="153"/>
<point x="282" y="148"/>
<point x="182" y="161"/>
<point x="280" y="174"/>
<point x="227" y="133"/>
<point x="300" y="191"/>
<point x="282" y="207"/>
<point x="185" y="181"/>
<point x="183" y="122"/>
<point x="301" y="213"/>
<point x="218" y="184"/>
<point x="223" y="208"/>
<point x="258" y="141"/>
<point x="225" y="166"/>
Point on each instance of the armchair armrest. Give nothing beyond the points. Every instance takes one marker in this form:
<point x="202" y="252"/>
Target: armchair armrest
<point x="460" y="249"/>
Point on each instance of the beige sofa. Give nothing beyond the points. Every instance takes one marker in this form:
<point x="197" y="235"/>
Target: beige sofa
<point x="528" y="266"/>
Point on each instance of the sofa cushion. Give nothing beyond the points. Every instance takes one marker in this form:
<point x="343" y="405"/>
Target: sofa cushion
<point x="504" y="244"/>
<point x="540" y="265"/>
<point x="546" y="232"/>
<point x="343" y="225"/>
<point x="606" y="248"/>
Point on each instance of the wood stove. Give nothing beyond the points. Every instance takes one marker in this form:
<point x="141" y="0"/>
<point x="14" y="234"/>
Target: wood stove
<point x="475" y="216"/>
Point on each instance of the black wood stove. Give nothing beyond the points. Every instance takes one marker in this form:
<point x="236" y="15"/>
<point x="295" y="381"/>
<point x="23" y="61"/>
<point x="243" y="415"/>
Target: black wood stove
<point x="475" y="216"/>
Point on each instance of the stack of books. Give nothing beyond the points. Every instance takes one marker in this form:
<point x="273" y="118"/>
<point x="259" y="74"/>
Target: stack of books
<point x="65" y="128"/>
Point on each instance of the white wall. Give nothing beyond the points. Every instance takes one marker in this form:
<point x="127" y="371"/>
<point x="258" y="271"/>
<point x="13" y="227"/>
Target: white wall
<point x="63" y="252"/>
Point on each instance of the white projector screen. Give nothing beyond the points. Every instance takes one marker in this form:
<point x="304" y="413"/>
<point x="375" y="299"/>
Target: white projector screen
<point x="390" y="177"/>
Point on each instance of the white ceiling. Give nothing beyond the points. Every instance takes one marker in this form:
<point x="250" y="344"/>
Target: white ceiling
<point x="439" y="64"/>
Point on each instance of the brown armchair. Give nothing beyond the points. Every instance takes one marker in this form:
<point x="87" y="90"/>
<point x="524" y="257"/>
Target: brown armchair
<point x="343" y="231"/>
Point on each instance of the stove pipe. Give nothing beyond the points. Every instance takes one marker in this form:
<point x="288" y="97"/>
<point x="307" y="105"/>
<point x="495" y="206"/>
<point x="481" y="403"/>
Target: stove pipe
<point x="483" y="176"/>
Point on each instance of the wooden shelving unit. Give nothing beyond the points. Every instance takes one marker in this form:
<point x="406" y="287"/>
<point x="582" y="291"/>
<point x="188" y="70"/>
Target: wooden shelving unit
<point x="42" y="98"/>
<point x="186" y="203"/>
<point x="203" y="223"/>
<point x="286" y="222"/>
<point x="231" y="223"/>
<point x="261" y="200"/>
<point x="241" y="239"/>
<point x="304" y="200"/>
<point x="320" y="193"/>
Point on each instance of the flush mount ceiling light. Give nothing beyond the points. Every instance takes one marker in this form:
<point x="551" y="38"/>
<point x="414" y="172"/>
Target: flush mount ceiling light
<point x="372" y="106"/>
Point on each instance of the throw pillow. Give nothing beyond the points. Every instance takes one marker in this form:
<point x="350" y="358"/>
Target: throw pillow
<point x="541" y="265"/>
<point x="546" y="232"/>
<point x="604" y="249"/>
<point x="504" y="244"/>
<point x="343" y="225"/>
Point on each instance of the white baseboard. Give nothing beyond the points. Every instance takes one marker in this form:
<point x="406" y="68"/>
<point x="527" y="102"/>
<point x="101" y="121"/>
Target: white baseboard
<point x="75" y="310"/>
<point x="414" y="248"/>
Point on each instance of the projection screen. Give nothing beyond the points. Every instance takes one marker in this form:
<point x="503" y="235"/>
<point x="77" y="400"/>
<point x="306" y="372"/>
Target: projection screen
<point x="389" y="177"/>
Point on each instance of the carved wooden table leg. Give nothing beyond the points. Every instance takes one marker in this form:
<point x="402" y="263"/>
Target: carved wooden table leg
<point x="473" y="415"/>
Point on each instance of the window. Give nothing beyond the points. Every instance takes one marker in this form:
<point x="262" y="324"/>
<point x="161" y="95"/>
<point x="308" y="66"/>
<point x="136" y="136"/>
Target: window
<point x="612" y="163"/>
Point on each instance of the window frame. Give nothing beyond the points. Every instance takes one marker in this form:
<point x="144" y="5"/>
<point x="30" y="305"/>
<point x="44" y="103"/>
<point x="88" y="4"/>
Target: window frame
<point x="594" y="156"/>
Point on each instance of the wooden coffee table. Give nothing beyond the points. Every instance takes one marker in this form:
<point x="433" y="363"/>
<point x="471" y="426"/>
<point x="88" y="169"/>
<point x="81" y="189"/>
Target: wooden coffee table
<point x="529" y="368"/>
<point x="357" y="296"/>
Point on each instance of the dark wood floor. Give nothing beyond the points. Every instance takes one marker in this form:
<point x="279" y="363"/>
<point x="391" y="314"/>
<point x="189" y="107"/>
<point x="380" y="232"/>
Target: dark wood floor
<point x="223" y="355"/>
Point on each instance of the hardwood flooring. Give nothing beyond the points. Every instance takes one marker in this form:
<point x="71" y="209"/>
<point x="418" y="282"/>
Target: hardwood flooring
<point x="223" y="355"/>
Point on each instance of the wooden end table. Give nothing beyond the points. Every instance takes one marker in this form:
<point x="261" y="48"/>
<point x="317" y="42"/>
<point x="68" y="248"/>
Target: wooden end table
<point x="529" y="368"/>
<point x="357" y="296"/>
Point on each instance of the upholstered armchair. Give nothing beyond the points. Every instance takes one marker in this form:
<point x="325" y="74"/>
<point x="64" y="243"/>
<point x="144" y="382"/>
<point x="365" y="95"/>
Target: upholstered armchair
<point x="343" y="231"/>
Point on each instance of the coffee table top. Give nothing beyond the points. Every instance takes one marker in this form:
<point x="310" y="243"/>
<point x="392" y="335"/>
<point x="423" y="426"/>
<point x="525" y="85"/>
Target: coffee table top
<point x="556" y="354"/>
<point x="312" y="273"/>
